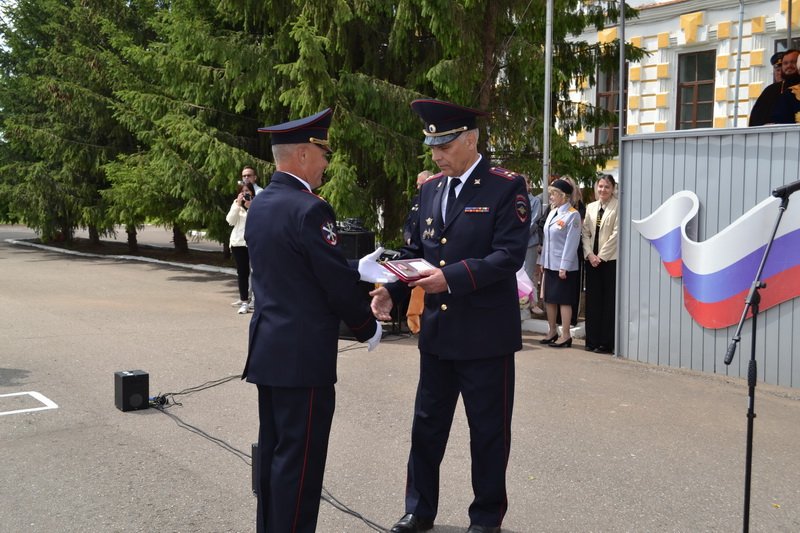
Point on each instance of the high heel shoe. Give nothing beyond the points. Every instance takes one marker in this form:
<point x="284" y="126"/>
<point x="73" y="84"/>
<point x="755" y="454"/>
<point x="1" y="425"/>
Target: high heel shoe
<point x="550" y="340"/>
<point x="566" y="344"/>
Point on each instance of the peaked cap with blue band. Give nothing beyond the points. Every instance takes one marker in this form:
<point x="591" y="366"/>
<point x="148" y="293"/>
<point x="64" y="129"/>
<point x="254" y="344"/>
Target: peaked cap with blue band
<point x="313" y="129"/>
<point x="444" y="121"/>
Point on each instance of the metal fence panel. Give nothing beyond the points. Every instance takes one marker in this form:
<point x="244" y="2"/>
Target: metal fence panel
<point x="731" y="171"/>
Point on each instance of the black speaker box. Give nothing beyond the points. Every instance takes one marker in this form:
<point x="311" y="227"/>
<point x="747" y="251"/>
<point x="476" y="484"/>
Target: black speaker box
<point x="131" y="390"/>
<point x="356" y="244"/>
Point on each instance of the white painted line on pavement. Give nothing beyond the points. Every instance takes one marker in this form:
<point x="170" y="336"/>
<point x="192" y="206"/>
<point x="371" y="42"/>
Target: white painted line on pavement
<point x="48" y="403"/>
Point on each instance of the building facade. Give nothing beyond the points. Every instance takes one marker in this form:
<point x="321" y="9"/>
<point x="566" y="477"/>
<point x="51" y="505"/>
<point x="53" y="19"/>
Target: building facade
<point x="689" y="77"/>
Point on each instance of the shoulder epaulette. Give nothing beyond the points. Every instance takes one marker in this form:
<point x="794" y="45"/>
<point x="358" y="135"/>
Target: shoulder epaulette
<point x="313" y="194"/>
<point x="434" y="177"/>
<point x="571" y="210"/>
<point x="503" y="173"/>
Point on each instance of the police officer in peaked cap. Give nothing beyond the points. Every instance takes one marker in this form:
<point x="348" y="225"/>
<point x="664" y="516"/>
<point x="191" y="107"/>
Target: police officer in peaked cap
<point x="303" y="287"/>
<point x="473" y="228"/>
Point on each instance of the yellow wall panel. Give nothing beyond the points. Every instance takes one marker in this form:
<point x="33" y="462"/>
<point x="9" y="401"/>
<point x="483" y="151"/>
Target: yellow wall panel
<point x="635" y="73"/>
<point x="690" y="24"/>
<point x="633" y="102"/>
<point x="662" y="71"/>
<point x="606" y="36"/>
<point x="663" y="40"/>
<point x="754" y="89"/>
<point x="795" y="11"/>
<point x="757" y="25"/>
<point x="720" y="122"/>
<point x="720" y="94"/>
<point x="722" y="62"/>
<point x="636" y="41"/>
<point x="633" y="129"/>
<point x="724" y="30"/>
<point x="661" y="126"/>
<point x="662" y="100"/>
<point x="756" y="58"/>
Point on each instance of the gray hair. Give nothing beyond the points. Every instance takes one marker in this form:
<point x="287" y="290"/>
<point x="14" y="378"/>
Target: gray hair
<point x="282" y="152"/>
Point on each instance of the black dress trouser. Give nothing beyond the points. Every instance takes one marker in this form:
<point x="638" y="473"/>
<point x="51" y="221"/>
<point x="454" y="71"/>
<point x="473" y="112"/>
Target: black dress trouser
<point x="601" y="290"/>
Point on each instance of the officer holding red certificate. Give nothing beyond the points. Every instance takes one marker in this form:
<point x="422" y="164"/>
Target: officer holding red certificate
<point x="473" y="228"/>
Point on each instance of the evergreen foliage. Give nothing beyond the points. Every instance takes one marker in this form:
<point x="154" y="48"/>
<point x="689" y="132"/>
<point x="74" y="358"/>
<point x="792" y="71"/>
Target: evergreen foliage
<point x="120" y="112"/>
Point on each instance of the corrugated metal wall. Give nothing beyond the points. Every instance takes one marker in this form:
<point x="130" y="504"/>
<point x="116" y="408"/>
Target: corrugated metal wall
<point x="731" y="171"/>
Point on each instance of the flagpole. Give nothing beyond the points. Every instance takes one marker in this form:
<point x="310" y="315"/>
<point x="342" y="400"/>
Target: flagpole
<point x="548" y="92"/>
<point x="620" y="183"/>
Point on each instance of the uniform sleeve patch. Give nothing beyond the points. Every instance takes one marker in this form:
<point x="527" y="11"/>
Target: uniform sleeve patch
<point x="522" y="207"/>
<point x="329" y="233"/>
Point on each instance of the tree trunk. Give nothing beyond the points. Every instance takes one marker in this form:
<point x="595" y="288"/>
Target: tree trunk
<point x="66" y="235"/>
<point x="133" y="243"/>
<point x="94" y="235"/>
<point x="179" y="239"/>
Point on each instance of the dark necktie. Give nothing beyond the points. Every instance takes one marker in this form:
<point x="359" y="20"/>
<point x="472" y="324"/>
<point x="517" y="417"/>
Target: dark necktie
<point x="596" y="247"/>
<point x="451" y="199"/>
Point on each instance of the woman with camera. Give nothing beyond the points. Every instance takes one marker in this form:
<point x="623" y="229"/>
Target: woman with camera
<point x="237" y="216"/>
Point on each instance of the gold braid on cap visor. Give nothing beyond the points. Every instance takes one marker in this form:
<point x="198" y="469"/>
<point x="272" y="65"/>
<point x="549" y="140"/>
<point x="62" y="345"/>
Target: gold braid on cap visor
<point x="321" y="142"/>
<point x="434" y="133"/>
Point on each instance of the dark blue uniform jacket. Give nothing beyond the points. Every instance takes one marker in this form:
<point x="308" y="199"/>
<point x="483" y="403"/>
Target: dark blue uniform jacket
<point x="303" y="286"/>
<point x="479" y="250"/>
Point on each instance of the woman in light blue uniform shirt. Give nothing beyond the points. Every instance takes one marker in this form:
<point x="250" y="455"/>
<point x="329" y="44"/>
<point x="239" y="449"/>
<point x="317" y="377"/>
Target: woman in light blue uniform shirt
<point x="559" y="261"/>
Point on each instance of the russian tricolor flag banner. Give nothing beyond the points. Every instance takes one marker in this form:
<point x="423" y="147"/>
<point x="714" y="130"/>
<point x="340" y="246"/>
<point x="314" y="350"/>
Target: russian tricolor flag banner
<point x="718" y="272"/>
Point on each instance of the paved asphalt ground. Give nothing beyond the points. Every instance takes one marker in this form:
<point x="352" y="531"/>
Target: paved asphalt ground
<point x="599" y="444"/>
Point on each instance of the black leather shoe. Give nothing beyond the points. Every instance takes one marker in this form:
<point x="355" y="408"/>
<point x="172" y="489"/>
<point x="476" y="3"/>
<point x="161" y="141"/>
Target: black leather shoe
<point x="411" y="523"/>
<point x="549" y="340"/>
<point x="566" y="344"/>
<point x="483" y="529"/>
<point x="603" y="349"/>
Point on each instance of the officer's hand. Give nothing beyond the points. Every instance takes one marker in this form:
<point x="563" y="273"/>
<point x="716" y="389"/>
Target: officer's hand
<point x="381" y="304"/>
<point x="433" y="281"/>
<point x="371" y="272"/>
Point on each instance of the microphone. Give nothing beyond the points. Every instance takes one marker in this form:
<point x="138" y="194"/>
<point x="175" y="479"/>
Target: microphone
<point x="785" y="190"/>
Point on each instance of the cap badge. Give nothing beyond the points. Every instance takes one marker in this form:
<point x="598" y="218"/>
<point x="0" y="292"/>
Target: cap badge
<point x="431" y="128"/>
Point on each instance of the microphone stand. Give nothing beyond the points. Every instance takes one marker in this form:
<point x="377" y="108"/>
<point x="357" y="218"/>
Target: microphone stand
<point x="752" y="302"/>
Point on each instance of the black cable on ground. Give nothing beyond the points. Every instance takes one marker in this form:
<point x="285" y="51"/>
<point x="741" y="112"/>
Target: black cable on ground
<point x="244" y="456"/>
<point x="331" y="499"/>
<point x="162" y="402"/>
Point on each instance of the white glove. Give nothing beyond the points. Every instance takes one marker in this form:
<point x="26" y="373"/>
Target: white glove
<point x="371" y="272"/>
<point x="376" y="339"/>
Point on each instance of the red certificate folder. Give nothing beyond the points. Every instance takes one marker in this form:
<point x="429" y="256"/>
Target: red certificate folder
<point x="407" y="269"/>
